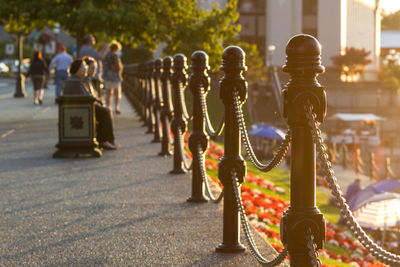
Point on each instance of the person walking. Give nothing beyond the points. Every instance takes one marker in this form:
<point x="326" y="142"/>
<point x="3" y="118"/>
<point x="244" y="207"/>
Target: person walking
<point x="61" y="62"/>
<point x="87" y="50"/>
<point x="38" y="70"/>
<point x="353" y="189"/>
<point x="112" y="70"/>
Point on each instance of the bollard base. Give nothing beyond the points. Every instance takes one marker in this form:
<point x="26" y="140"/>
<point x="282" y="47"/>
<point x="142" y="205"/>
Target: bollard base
<point x="178" y="171"/>
<point x="230" y="248"/>
<point x="65" y="153"/>
<point x="165" y="154"/>
<point x="197" y="199"/>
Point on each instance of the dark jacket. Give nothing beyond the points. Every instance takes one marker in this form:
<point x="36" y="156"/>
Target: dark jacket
<point x="73" y="86"/>
<point x="37" y="67"/>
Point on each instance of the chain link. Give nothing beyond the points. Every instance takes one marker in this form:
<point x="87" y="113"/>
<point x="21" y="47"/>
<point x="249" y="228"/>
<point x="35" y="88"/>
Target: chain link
<point x="182" y="102"/>
<point x="246" y="141"/>
<point x="168" y="133"/>
<point x="312" y="247"/>
<point x="205" y="179"/>
<point x="377" y="251"/>
<point x="248" y="234"/>
<point x="209" y="127"/>
<point x="186" y="165"/>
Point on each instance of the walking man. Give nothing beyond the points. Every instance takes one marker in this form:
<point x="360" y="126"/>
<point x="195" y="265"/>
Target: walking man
<point x="61" y="62"/>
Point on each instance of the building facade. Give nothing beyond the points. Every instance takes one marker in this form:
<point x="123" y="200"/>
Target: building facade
<point x="337" y="24"/>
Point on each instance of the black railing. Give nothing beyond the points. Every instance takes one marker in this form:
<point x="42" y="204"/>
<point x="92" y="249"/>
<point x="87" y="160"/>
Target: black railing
<point x="149" y="86"/>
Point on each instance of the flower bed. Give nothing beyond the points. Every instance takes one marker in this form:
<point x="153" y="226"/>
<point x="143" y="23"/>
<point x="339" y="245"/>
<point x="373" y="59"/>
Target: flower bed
<point x="264" y="209"/>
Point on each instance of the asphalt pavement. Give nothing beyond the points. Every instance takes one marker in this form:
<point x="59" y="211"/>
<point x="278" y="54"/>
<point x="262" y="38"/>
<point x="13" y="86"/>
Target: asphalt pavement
<point x="123" y="209"/>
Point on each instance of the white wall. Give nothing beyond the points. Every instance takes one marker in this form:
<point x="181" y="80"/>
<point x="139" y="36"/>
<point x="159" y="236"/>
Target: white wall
<point x="283" y="20"/>
<point x="360" y="25"/>
<point x="329" y="28"/>
<point x="341" y="23"/>
<point x="361" y="32"/>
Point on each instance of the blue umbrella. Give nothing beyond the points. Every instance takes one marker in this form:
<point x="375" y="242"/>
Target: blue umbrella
<point x="267" y="132"/>
<point x="374" y="189"/>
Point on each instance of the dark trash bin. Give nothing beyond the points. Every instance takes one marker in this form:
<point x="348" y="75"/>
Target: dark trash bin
<point x="76" y="122"/>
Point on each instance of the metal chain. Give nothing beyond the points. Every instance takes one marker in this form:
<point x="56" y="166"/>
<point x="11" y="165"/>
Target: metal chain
<point x="186" y="165"/>
<point x="168" y="134"/>
<point x="312" y="247"/>
<point x="181" y="98"/>
<point x="205" y="179"/>
<point x="248" y="234"/>
<point x="209" y="127"/>
<point x="377" y="251"/>
<point x="248" y="147"/>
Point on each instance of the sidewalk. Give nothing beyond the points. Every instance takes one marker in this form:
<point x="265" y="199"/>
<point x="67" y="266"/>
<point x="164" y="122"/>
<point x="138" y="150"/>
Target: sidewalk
<point x="123" y="209"/>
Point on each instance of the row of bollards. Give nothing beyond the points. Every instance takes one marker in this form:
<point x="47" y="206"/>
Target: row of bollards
<point x="156" y="85"/>
<point x="354" y="161"/>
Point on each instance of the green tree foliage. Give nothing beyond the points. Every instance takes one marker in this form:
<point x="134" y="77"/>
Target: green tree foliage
<point x="391" y="21"/>
<point x="186" y="28"/>
<point x="180" y="24"/>
<point x="353" y="61"/>
<point x="21" y="17"/>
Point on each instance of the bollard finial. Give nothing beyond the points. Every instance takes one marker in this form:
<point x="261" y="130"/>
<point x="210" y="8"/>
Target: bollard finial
<point x="157" y="63"/>
<point x="303" y="63"/>
<point x="199" y="61"/>
<point x="180" y="61"/>
<point x="149" y="68"/>
<point x="233" y="58"/>
<point x="199" y="76"/>
<point x="303" y="53"/>
<point x="233" y="65"/>
<point x="167" y="62"/>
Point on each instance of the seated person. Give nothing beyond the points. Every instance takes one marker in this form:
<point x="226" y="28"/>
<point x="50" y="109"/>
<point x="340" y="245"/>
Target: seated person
<point x="73" y="85"/>
<point x="79" y="84"/>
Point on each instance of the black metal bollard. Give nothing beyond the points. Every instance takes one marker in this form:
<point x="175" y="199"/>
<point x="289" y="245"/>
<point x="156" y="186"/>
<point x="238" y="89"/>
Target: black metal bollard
<point x="387" y="168"/>
<point x="303" y="63"/>
<point x="157" y="100"/>
<point x="146" y="101"/>
<point x="357" y="166"/>
<point x="344" y="155"/>
<point x="142" y="92"/>
<point x="199" y="80"/>
<point x="166" y="109"/>
<point x="233" y="65"/>
<point x="150" y="97"/>
<point x="178" y="123"/>
<point x="372" y="170"/>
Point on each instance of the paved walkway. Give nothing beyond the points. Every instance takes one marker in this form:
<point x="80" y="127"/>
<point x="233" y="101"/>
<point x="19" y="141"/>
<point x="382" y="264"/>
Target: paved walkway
<point x="122" y="209"/>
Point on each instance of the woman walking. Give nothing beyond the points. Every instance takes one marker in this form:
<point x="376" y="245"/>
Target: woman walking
<point x="112" y="69"/>
<point x="38" y="70"/>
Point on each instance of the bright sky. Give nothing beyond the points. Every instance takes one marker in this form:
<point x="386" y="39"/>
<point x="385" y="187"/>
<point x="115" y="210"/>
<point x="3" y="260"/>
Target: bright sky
<point x="390" y="5"/>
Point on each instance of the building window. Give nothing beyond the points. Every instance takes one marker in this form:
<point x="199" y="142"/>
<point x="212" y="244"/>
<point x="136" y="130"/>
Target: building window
<point x="252" y="19"/>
